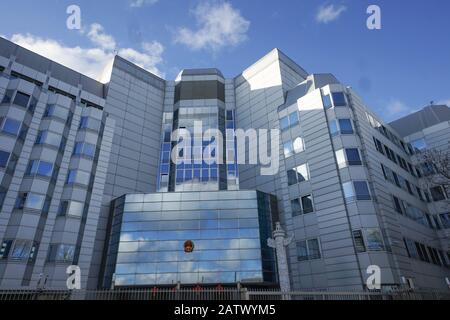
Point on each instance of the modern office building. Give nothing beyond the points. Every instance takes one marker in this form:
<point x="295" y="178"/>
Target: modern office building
<point x="88" y="178"/>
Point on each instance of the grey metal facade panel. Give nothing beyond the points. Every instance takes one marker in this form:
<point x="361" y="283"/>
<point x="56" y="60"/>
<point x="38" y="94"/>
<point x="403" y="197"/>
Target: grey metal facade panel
<point x="418" y="121"/>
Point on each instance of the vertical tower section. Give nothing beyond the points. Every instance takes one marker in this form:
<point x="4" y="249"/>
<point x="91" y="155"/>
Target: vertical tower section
<point x="193" y="157"/>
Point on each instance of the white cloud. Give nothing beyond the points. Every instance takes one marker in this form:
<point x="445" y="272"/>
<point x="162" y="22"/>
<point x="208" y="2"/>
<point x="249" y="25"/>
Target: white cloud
<point x="219" y="25"/>
<point x="98" y="37"/>
<point x="142" y="3"/>
<point x="329" y="13"/>
<point x="93" y="61"/>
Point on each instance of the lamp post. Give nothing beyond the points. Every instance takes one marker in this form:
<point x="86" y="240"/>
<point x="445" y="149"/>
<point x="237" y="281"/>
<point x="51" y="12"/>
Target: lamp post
<point x="279" y="242"/>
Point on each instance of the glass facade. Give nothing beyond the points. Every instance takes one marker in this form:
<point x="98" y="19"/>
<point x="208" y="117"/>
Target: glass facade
<point x="228" y="229"/>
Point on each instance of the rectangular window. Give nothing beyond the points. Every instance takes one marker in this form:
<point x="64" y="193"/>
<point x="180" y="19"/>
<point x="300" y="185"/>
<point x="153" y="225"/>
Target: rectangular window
<point x="411" y="249"/>
<point x="362" y="190"/>
<point x="293" y="119"/>
<point x="307" y="204"/>
<point x="71" y="208"/>
<point x="90" y="123"/>
<point x="21" y="99"/>
<point x="84" y="149"/>
<point x="374" y="240"/>
<point x="397" y="205"/>
<point x="54" y="111"/>
<point x="299" y="145"/>
<point x="30" y="201"/>
<point x="4" y="157"/>
<point x="39" y="168"/>
<point x="308" y="250"/>
<point x="437" y="193"/>
<point x="378" y="145"/>
<point x="296" y="207"/>
<point x="288" y="149"/>
<point x="359" y="241"/>
<point x="302" y="173"/>
<point x="419" y="145"/>
<point x="302" y="251"/>
<point x="314" y="249"/>
<point x="445" y="220"/>
<point x="78" y="177"/>
<point x="22" y="250"/>
<point x="8" y="96"/>
<point x="61" y="253"/>
<point x="339" y="99"/>
<point x="353" y="157"/>
<point x="5" y="249"/>
<point x="327" y="102"/>
<point x="11" y="126"/>
<point x="292" y="177"/>
<point x="334" y="129"/>
<point x="284" y="123"/>
<point x="346" y="126"/>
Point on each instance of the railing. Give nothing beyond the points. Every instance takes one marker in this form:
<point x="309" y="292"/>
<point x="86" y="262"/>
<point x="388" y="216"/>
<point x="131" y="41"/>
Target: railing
<point x="216" y="295"/>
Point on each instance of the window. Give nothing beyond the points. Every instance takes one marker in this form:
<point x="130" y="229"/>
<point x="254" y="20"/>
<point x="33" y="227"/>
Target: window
<point x="4" y="157"/>
<point x="11" y="126"/>
<point x="339" y="99"/>
<point x="284" y="123"/>
<point x="308" y="250"/>
<point x="353" y="157"/>
<point x="90" y="123"/>
<point x="307" y="204"/>
<point x="289" y="121"/>
<point x="84" y="149"/>
<point x="54" y="111"/>
<point x="411" y="249"/>
<point x="3" y="192"/>
<point x="288" y="149"/>
<point x="327" y="102"/>
<point x="378" y="145"/>
<point x="296" y="207"/>
<point x="341" y="126"/>
<point x="78" y="177"/>
<point x="445" y="220"/>
<point x="61" y="253"/>
<point x="32" y="201"/>
<point x="374" y="240"/>
<point x="299" y="145"/>
<point x="437" y="193"/>
<point x="48" y="138"/>
<point x="5" y="248"/>
<point x="349" y="157"/>
<point x="397" y="205"/>
<point x="22" y="250"/>
<point x="21" y="99"/>
<point x="292" y="148"/>
<point x="302" y="173"/>
<point x="428" y="169"/>
<point x="357" y="190"/>
<point x="304" y="205"/>
<point x="8" y="96"/>
<point x="39" y="168"/>
<point x="359" y="241"/>
<point x="298" y="175"/>
<point x="71" y="208"/>
<point x="422" y="251"/>
<point x="419" y="145"/>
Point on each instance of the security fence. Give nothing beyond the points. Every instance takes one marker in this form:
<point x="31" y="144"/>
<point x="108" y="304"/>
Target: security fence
<point x="218" y="295"/>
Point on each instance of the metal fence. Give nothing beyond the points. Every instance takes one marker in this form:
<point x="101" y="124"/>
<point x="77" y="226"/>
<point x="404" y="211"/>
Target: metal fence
<point x="217" y="295"/>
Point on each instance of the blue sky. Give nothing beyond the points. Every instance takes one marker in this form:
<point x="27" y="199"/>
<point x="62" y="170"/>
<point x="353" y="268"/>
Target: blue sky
<point x="396" y="70"/>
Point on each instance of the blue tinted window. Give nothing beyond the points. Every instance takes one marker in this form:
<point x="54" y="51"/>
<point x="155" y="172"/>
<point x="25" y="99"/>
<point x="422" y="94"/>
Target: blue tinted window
<point x="362" y="190"/>
<point x="11" y="126"/>
<point x="327" y="102"/>
<point x="353" y="157"/>
<point x="339" y="99"/>
<point x="346" y="126"/>
<point x="334" y="130"/>
<point x="293" y="119"/>
<point x="21" y="99"/>
<point x="284" y="123"/>
<point x="4" y="157"/>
